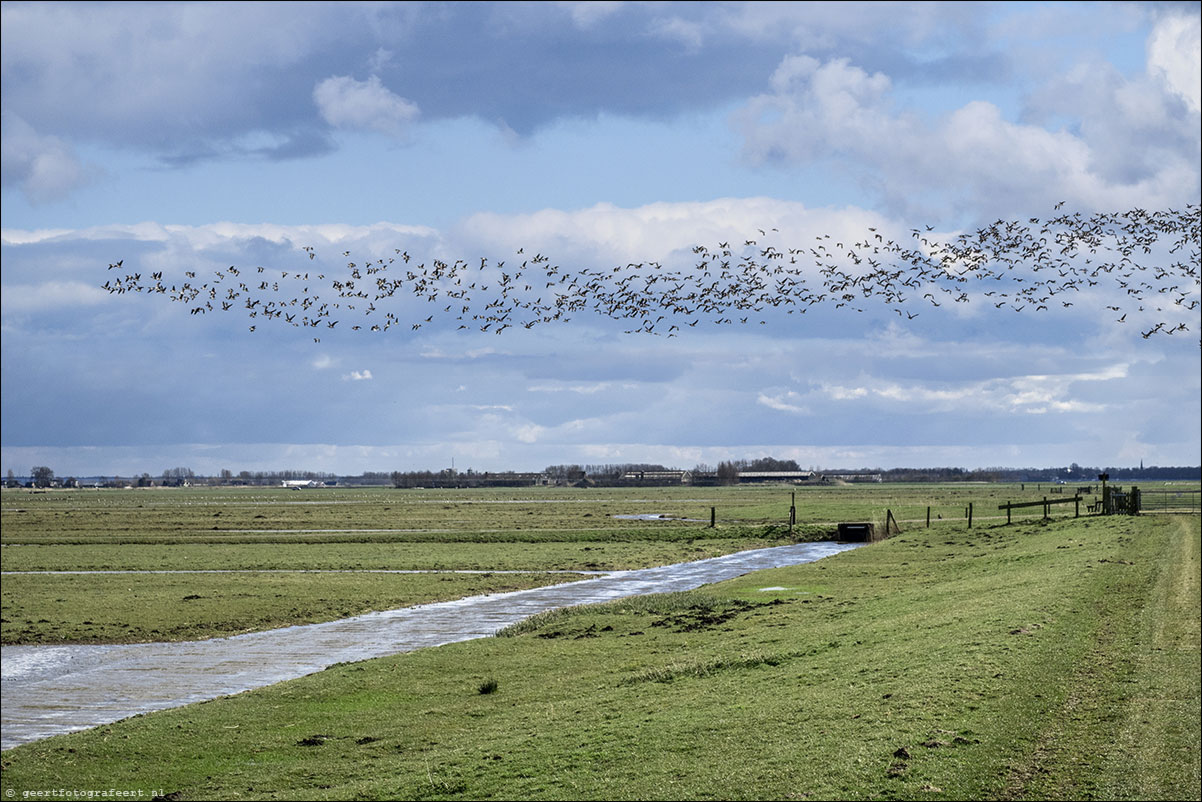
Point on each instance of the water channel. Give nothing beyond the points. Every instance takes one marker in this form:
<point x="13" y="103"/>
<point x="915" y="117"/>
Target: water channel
<point x="50" y="690"/>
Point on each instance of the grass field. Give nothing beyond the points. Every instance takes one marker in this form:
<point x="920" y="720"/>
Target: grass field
<point x="269" y="530"/>
<point x="1040" y="660"/>
<point x="274" y="531"/>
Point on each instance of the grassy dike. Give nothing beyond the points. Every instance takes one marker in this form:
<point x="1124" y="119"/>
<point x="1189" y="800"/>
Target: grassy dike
<point x="1023" y="662"/>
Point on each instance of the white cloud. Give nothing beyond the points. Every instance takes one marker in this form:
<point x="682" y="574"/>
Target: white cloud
<point x="437" y="353"/>
<point x="1034" y="394"/>
<point x="1175" y="57"/>
<point x="582" y="389"/>
<point x="842" y="393"/>
<point x="50" y="295"/>
<point x="177" y="81"/>
<point x="816" y="111"/>
<point x="358" y="376"/>
<point x="527" y="433"/>
<point x="588" y="13"/>
<point x="364" y="105"/>
<point x="657" y="231"/>
<point x="45" y="168"/>
<point x="689" y="33"/>
<point x="783" y="402"/>
<point x="328" y="240"/>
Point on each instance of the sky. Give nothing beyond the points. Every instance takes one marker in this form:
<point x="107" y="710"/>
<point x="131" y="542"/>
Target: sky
<point x="191" y="137"/>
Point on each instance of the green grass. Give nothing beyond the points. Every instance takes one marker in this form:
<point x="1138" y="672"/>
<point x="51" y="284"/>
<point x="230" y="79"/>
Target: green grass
<point x="376" y="515"/>
<point x="272" y="530"/>
<point x="138" y="608"/>
<point x="1034" y="661"/>
<point x="575" y="555"/>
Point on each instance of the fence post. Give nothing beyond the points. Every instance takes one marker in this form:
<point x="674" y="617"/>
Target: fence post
<point x="928" y="517"/>
<point x="970" y="515"/>
<point x="1007" y="513"/>
<point x="713" y="516"/>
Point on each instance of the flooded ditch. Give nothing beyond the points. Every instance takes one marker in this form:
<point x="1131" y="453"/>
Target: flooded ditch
<point x="50" y="690"/>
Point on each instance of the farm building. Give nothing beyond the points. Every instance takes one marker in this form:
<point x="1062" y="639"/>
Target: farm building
<point x="749" y="477"/>
<point x="510" y="479"/>
<point x="658" y="477"/>
<point x="854" y="477"/>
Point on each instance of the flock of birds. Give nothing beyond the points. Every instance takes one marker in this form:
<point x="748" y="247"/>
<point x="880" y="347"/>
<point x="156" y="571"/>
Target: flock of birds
<point x="1142" y="263"/>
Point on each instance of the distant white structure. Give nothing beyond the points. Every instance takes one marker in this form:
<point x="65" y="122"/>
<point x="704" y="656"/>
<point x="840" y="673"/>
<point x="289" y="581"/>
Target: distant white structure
<point x="775" y="476"/>
<point x="855" y="477"/>
<point x="297" y="484"/>
<point x="659" y="477"/>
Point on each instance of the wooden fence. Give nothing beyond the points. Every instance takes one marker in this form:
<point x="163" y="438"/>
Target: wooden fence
<point x="1046" y="504"/>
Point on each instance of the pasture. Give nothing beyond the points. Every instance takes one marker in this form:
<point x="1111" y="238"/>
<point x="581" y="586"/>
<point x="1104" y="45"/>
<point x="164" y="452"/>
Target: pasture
<point x="282" y="557"/>
<point x="1044" y="659"/>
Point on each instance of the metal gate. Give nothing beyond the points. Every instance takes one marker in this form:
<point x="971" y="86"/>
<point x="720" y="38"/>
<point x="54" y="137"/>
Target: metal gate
<point x="1186" y="501"/>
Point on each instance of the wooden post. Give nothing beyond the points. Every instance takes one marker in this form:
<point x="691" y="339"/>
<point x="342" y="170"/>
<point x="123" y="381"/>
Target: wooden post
<point x="928" y="517"/>
<point x="1007" y="513"/>
<point x="1077" y="507"/>
<point x="713" y="516"/>
<point x="970" y="515"/>
<point x="1045" y="508"/>
<point x="793" y="511"/>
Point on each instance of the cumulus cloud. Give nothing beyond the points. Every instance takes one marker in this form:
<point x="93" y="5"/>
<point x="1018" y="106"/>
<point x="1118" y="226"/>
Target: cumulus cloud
<point x="1175" y="57"/>
<point x="358" y="376"/>
<point x="656" y="231"/>
<point x="364" y="105"/>
<point x="178" y="81"/>
<point x="527" y="433"/>
<point x="44" y="168"/>
<point x="817" y="111"/>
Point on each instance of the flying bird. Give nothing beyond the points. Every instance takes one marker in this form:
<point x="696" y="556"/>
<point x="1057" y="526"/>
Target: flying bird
<point x="1147" y="256"/>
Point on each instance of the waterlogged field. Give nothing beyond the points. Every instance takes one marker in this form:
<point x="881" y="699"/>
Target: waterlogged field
<point x="302" y="556"/>
<point x="1041" y="660"/>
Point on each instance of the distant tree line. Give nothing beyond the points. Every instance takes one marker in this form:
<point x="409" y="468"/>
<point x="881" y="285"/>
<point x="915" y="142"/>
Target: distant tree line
<point x="608" y="474"/>
<point x="1071" y="474"/>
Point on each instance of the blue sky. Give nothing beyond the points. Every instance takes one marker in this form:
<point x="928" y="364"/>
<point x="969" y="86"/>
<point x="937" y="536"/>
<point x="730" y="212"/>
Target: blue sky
<point x="191" y="137"/>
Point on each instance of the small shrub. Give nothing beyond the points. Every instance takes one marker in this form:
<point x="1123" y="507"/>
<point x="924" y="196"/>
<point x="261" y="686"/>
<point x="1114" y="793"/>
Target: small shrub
<point x="488" y="686"/>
